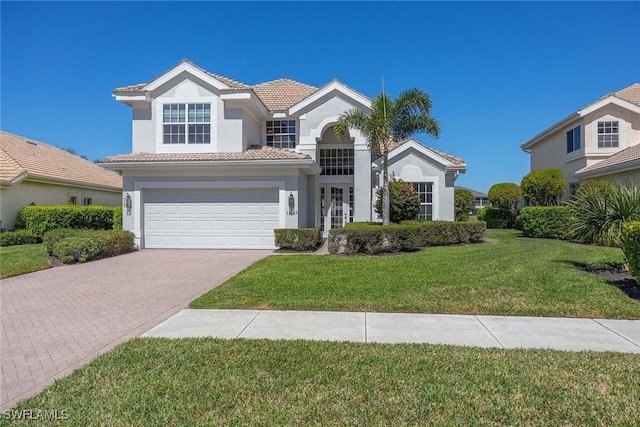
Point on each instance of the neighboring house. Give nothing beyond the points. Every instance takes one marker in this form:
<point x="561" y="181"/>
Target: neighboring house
<point x="598" y="141"/>
<point x="216" y="163"/>
<point x="482" y="200"/>
<point x="35" y="172"/>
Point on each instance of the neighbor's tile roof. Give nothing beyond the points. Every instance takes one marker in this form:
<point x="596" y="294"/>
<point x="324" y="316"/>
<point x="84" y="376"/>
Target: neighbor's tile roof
<point x="630" y="94"/>
<point x="627" y="155"/>
<point x="19" y="155"/>
<point x="255" y="152"/>
<point x="278" y="95"/>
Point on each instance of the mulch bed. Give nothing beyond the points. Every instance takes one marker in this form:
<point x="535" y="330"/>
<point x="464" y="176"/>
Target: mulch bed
<point x="622" y="279"/>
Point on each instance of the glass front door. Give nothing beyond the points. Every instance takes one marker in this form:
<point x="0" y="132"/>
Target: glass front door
<point x="336" y="206"/>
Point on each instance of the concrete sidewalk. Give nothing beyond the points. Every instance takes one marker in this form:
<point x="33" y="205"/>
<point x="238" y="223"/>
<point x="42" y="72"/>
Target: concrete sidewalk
<point x="479" y="331"/>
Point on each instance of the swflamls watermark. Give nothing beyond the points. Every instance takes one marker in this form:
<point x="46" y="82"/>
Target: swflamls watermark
<point x="36" y="414"/>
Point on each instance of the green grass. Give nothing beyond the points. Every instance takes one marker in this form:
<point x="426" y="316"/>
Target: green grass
<point x="507" y="275"/>
<point x="16" y="260"/>
<point x="151" y="382"/>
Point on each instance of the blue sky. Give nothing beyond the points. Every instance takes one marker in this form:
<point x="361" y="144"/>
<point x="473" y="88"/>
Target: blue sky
<point x="498" y="73"/>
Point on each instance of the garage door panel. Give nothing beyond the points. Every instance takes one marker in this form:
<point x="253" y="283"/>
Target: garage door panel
<point x="211" y="218"/>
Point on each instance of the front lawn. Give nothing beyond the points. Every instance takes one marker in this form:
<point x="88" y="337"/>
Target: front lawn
<point x="151" y="382"/>
<point x="15" y="260"/>
<point x="507" y="275"/>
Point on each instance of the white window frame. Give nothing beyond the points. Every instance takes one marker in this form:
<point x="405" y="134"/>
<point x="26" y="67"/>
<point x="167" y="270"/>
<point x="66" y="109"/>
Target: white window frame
<point x="416" y="188"/>
<point x="343" y="161"/>
<point x="288" y="142"/>
<point x="185" y="122"/>
<point x="599" y="134"/>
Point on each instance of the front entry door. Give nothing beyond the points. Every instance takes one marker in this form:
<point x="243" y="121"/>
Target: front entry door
<point x="336" y="206"/>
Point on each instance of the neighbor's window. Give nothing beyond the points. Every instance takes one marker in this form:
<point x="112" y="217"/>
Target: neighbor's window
<point x="336" y="161"/>
<point x="87" y="201"/>
<point x="424" y="190"/>
<point x="573" y="139"/>
<point x="186" y="123"/>
<point x="281" y="133"/>
<point x="608" y="134"/>
<point x="73" y="200"/>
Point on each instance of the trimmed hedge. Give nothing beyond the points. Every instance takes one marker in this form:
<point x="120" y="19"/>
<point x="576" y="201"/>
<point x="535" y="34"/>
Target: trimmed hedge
<point x="494" y="217"/>
<point x="298" y="239"/>
<point x="117" y="218"/>
<point x="40" y="219"/>
<point x="18" y="237"/>
<point x="631" y="246"/>
<point x="445" y="233"/>
<point x="72" y="245"/>
<point x="551" y="222"/>
<point x="407" y="236"/>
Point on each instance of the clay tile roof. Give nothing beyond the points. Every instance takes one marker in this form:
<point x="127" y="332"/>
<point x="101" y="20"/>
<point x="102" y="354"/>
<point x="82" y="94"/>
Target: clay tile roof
<point x="630" y="94"/>
<point x="456" y="161"/>
<point x="254" y="152"/>
<point x="627" y="155"/>
<point x="19" y="155"/>
<point x="278" y="95"/>
<point x="233" y="84"/>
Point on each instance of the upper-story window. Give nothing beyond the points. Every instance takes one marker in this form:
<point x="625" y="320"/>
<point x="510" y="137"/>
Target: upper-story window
<point x="608" y="134"/>
<point x="573" y="139"/>
<point x="281" y="133"/>
<point x="186" y="123"/>
<point x="336" y="161"/>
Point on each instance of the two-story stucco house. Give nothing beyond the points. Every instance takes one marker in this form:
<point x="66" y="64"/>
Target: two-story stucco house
<point x="220" y="164"/>
<point x="599" y="141"/>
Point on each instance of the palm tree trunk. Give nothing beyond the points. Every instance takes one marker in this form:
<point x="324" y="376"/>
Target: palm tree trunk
<point x="386" y="202"/>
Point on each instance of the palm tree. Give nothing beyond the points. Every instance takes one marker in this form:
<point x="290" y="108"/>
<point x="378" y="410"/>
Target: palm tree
<point x="390" y="120"/>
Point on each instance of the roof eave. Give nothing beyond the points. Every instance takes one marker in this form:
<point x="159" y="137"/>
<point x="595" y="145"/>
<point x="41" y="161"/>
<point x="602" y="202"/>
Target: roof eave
<point x="527" y="145"/>
<point x="70" y="182"/>
<point x="310" y="164"/>
<point x="606" y="170"/>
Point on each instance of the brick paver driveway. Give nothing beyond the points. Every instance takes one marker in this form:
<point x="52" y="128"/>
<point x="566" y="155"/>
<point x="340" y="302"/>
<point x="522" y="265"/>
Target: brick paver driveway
<point x="55" y="320"/>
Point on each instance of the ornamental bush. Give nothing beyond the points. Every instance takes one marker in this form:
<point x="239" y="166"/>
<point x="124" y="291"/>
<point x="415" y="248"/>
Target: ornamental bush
<point x="463" y="203"/>
<point x="504" y="197"/>
<point x="599" y="215"/>
<point x="104" y="244"/>
<point x="495" y="218"/>
<point x="551" y="222"/>
<point x="408" y="236"/>
<point x="18" y="237"/>
<point x="117" y="218"/>
<point x="630" y="239"/>
<point x="404" y="202"/>
<point x="42" y="218"/>
<point x="543" y="187"/>
<point x="298" y="239"/>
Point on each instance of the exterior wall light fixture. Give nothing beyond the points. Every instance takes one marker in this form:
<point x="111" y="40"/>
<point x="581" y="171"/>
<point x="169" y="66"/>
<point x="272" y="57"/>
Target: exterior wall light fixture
<point x="127" y="203"/>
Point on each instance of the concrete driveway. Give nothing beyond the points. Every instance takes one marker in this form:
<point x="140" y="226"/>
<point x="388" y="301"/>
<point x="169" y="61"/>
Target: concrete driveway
<point x="56" y="320"/>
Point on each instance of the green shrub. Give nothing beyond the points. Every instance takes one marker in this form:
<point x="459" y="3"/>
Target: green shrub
<point x="598" y="215"/>
<point x="404" y="202"/>
<point x="76" y="249"/>
<point x="496" y="218"/>
<point x="481" y="213"/>
<point x="630" y="239"/>
<point x="504" y="197"/>
<point x="444" y="233"/>
<point x="41" y="219"/>
<point x="298" y="239"/>
<point x="605" y="188"/>
<point x="543" y="187"/>
<point x="107" y="243"/>
<point x="117" y="218"/>
<point x="18" y="237"/>
<point x="551" y="222"/>
<point x="463" y="201"/>
<point x="407" y="236"/>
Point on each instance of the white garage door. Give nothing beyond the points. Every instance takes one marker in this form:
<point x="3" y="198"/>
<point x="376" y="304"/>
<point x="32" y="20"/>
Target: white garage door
<point x="211" y="218"/>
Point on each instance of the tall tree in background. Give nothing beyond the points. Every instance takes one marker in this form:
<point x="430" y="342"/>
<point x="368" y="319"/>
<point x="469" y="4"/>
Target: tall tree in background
<point x="390" y="120"/>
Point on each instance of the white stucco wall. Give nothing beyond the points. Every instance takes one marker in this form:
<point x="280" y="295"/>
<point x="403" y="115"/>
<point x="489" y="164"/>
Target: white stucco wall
<point x="14" y="197"/>
<point x="413" y="166"/>
<point x="289" y="181"/>
<point x="552" y="151"/>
